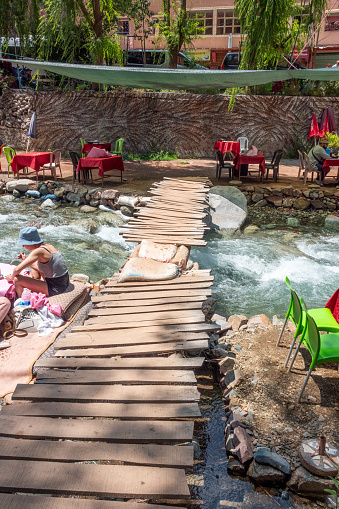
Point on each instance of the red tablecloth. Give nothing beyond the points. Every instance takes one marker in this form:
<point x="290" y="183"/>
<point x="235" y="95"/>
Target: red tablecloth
<point x="243" y="159"/>
<point x="225" y="146"/>
<point x="328" y="163"/>
<point x="87" y="147"/>
<point x="333" y="305"/>
<point x="103" y="163"/>
<point x="34" y="160"/>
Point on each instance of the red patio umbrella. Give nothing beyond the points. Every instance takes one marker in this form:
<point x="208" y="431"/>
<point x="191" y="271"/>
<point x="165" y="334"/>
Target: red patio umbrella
<point x="325" y="128"/>
<point x="314" y="129"/>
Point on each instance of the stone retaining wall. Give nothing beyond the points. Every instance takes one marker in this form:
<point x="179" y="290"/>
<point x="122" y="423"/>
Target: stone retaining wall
<point x="186" y="123"/>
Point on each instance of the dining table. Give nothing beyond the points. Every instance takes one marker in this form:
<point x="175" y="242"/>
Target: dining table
<point x="242" y="159"/>
<point x="227" y="146"/>
<point x="104" y="164"/>
<point x="90" y="144"/>
<point x="329" y="163"/>
<point x="34" y="160"/>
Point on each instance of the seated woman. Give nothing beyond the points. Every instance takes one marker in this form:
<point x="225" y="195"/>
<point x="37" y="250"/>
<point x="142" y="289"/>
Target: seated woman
<point x="45" y="261"/>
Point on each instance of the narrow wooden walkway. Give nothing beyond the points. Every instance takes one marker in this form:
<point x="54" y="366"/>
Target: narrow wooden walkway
<point x="112" y="414"/>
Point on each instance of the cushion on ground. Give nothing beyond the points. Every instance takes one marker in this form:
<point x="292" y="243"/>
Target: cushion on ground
<point x="155" y="251"/>
<point x="145" y="269"/>
<point x="71" y="299"/>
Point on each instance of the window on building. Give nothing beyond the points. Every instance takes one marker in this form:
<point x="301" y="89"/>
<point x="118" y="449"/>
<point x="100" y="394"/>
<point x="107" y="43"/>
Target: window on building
<point x="332" y="23"/>
<point x="154" y="27"/>
<point x="227" y="23"/>
<point x="205" y="19"/>
<point x="123" y="27"/>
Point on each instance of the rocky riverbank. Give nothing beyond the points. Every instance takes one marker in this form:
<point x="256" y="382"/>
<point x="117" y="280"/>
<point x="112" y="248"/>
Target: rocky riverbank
<point x="265" y="426"/>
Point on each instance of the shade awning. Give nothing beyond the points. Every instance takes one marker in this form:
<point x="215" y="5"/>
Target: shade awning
<point x="177" y="79"/>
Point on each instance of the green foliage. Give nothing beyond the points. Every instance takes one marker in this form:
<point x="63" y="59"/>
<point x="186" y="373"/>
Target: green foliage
<point x="19" y="18"/>
<point x="333" y="141"/>
<point x="155" y="154"/>
<point x="139" y="12"/>
<point x="176" y="28"/>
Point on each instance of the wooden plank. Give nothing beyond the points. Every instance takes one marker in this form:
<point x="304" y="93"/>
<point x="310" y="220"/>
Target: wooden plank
<point x="102" y="339"/>
<point x="162" y="213"/>
<point x="172" y="362"/>
<point x="21" y="501"/>
<point x="192" y="279"/>
<point x="152" y="326"/>
<point x="97" y="430"/>
<point x="103" y="311"/>
<point x="187" y="316"/>
<point x="205" y="292"/>
<point x="122" y="411"/>
<point x="176" y="241"/>
<point x="128" y="454"/>
<point x="133" y="350"/>
<point x="107" y="323"/>
<point x="117" y="304"/>
<point x="131" y="230"/>
<point x="158" y="287"/>
<point x="109" y="393"/>
<point x="129" y="376"/>
<point x="92" y="480"/>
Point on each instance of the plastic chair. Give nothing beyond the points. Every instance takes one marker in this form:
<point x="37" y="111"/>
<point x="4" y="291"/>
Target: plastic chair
<point x="9" y="153"/>
<point x="301" y="163"/>
<point x="75" y="159"/>
<point x="54" y="163"/>
<point x="221" y="163"/>
<point x="274" y="165"/>
<point x="308" y="168"/>
<point x="323" y="349"/>
<point x="243" y="143"/>
<point x="83" y="142"/>
<point x="118" y="147"/>
<point x="323" y="317"/>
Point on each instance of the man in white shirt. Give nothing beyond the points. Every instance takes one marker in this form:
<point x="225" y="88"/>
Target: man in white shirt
<point x="336" y="64"/>
<point x="317" y="156"/>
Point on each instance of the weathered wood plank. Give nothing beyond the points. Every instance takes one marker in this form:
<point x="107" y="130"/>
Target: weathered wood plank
<point x="135" y="349"/>
<point x="109" y="393"/>
<point x="14" y="501"/>
<point x="165" y="240"/>
<point x="172" y="362"/>
<point x="95" y="480"/>
<point x="122" y="411"/>
<point x="128" y="454"/>
<point x="157" y="287"/>
<point x="117" y="304"/>
<point x="101" y="339"/>
<point x="199" y="292"/>
<point x="174" y="325"/>
<point x="103" y="311"/>
<point x="130" y="376"/>
<point x="156" y="317"/>
<point x="175" y="281"/>
<point x="96" y="429"/>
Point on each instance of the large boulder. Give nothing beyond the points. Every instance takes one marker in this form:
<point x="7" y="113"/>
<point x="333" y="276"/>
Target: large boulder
<point x="21" y="185"/>
<point x="332" y="222"/>
<point x="228" y="208"/>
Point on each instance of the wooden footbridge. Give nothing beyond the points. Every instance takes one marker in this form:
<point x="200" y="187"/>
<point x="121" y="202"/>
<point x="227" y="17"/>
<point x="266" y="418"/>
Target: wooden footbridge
<point x="111" y="416"/>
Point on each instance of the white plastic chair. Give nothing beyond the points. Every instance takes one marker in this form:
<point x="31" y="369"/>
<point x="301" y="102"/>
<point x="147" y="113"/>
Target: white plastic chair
<point x="243" y="143"/>
<point x="53" y="165"/>
<point x="301" y="163"/>
<point x="309" y="169"/>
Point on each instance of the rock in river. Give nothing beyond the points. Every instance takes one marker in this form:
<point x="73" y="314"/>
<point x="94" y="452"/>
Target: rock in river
<point x="228" y="208"/>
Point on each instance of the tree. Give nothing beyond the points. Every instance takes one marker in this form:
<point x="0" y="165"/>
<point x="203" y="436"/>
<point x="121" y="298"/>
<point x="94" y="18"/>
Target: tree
<point x="178" y="29"/>
<point x="78" y="25"/>
<point x="20" y="18"/>
<point x="273" y="28"/>
<point x="138" y="11"/>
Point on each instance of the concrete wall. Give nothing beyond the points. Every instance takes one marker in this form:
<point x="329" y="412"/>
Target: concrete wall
<point x="187" y="123"/>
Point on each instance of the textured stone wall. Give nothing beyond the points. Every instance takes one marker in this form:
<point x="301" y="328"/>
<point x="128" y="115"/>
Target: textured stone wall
<point x="187" y="123"/>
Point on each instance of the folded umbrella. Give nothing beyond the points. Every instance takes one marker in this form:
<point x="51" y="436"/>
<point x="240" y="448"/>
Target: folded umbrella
<point x="314" y="129"/>
<point x="32" y="129"/>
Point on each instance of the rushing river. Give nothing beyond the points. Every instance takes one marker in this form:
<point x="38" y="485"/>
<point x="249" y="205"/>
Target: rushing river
<point x="249" y="278"/>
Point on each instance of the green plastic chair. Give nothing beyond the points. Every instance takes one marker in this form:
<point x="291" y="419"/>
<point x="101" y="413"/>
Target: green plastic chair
<point x="118" y="146"/>
<point x="323" y="349"/>
<point x="323" y="317"/>
<point x="83" y="142"/>
<point x="9" y="153"/>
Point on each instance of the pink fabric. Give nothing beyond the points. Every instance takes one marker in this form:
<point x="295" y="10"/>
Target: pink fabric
<point x="38" y="300"/>
<point x="98" y="152"/>
<point x="87" y="147"/>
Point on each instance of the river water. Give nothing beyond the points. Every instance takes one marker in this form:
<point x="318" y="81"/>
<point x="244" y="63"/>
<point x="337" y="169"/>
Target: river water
<point x="249" y="279"/>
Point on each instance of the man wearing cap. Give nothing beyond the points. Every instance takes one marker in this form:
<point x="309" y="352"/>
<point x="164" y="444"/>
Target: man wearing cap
<point x="317" y="156"/>
<point x="44" y="260"/>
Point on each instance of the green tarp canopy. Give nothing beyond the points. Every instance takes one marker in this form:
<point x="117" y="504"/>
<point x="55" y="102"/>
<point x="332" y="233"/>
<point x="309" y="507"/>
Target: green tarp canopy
<point x="176" y="79"/>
